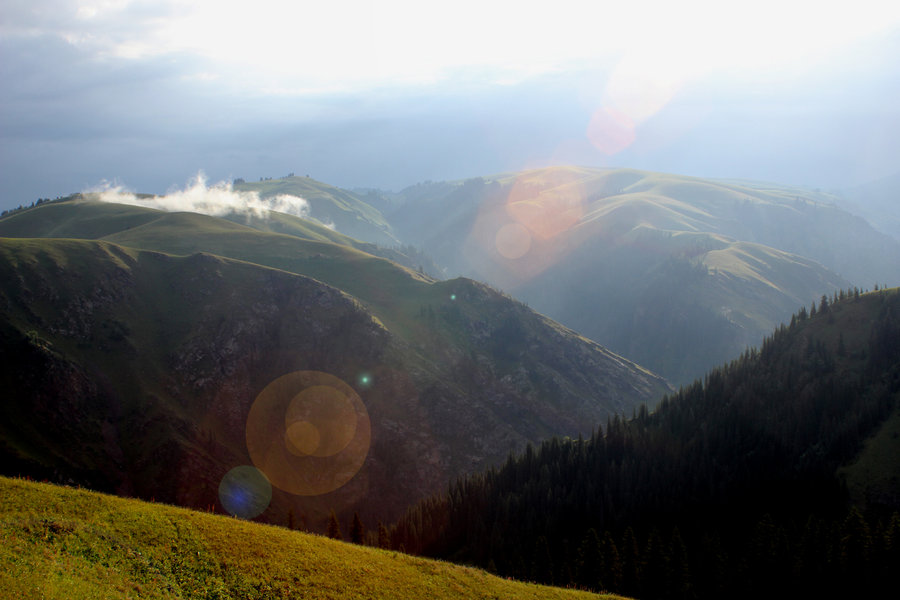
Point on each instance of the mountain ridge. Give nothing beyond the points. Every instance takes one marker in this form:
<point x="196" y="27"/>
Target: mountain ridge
<point x="568" y="240"/>
<point x="174" y="347"/>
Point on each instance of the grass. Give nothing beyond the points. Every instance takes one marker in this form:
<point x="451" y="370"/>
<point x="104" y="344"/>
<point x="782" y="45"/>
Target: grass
<point x="292" y="245"/>
<point x="76" y="218"/>
<point x="377" y="282"/>
<point x="349" y="213"/>
<point x="58" y="542"/>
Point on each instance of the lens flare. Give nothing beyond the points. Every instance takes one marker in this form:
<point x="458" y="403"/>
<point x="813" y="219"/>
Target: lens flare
<point x="547" y="207"/>
<point x="326" y="415"/>
<point x="302" y="438"/>
<point x="611" y="131"/>
<point x="309" y="432"/>
<point x="513" y="241"/>
<point x="245" y="492"/>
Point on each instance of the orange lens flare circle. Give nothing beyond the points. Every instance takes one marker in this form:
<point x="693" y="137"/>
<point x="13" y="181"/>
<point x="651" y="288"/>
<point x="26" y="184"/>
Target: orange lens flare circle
<point x="547" y="209"/>
<point x="309" y="432"/>
<point x="611" y="131"/>
<point x="513" y="241"/>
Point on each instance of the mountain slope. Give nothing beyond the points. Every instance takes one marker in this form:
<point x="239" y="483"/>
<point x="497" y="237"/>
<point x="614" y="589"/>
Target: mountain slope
<point x="768" y="478"/>
<point x="346" y="211"/>
<point x="649" y="264"/>
<point x="87" y="216"/>
<point x="877" y="202"/>
<point x="57" y="542"/>
<point x="161" y="354"/>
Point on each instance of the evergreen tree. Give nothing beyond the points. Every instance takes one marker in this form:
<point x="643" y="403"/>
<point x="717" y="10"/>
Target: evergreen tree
<point x="334" y="527"/>
<point x="655" y="572"/>
<point x="357" y="531"/>
<point x="680" y="572"/>
<point x="631" y="560"/>
<point x="542" y="562"/>
<point x="384" y="539"/>
<point x="588" y="573"/>
<point x="611" y="575"/>
<point x="856" y="546"/>
<point x="738" y="463"/>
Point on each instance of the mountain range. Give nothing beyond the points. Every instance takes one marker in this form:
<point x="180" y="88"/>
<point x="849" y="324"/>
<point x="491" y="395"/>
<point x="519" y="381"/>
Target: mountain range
<point x="143" y="338"/>
<point x="361" y="358"/>
<point x="677" y="273"/>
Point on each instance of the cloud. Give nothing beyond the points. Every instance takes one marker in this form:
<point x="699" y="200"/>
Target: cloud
<point x="198" y="196"/>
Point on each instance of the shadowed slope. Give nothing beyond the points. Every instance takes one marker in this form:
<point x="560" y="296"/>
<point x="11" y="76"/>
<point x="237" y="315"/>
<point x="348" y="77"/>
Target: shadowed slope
<point x="161" y="356"/>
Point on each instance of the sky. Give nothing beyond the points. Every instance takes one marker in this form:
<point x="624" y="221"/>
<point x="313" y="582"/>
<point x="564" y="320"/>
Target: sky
<point x="150" y="95"/>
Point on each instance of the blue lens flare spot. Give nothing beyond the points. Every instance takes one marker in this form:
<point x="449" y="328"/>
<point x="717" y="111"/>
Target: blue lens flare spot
<point x="245" y="492"/>
<point x="453" y="296"/>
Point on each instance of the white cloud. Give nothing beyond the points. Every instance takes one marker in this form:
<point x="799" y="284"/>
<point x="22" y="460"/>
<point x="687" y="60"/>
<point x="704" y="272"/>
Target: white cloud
<point x="215" y="200"/>
<point x="354" y="44"/>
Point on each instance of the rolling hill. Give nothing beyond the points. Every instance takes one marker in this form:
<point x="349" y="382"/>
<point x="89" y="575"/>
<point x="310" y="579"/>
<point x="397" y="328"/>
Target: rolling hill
<point x="145" y="348"/>
<point x="347" y="212"/>
<point x="677" y="273"/>
<point x="62" y="543"/>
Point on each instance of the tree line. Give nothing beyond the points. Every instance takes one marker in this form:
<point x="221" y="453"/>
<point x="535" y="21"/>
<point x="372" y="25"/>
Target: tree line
<point x="728" y="488"/>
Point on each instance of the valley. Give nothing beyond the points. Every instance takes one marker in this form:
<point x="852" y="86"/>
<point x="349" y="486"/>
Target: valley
<point x="164" y="331"/>
<point x="489" y="373"/>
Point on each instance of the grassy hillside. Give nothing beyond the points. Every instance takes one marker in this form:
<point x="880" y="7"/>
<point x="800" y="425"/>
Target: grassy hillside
<point x="84" y="216"/>
<point x="677" y="273"/>
<point x="346" y="211"/>
<point x="133" y="355"/>
<point x="62" y="543"/>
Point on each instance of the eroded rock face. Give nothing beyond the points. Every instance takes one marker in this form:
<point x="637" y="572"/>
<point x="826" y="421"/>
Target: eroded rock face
<point x="141" y="370"/>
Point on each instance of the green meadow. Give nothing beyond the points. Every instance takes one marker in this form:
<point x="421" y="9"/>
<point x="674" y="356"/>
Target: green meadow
<point x="59" y="542"/>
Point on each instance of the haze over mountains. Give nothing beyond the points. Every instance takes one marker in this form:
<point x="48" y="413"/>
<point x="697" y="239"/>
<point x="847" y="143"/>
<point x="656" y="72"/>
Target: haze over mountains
<point x="649" y="264"/>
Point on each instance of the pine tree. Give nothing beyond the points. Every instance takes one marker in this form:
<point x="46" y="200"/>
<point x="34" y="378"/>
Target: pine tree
<point x="589" y="561"/>
<point x="611" y="575"/>
<point x="357" y="531"/>
<point x="384" y="539"/>
<point x="542" y="562"/>
<point x="334" y="528"/>
<point x="680" y="586"/>
<point x="631" y="558"/>
<point x="655" y="568"/>
<point x="856" y="545"/>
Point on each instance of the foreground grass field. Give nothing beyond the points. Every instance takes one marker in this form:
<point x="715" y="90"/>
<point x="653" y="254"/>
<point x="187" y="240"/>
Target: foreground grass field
<point x="58" y="542"/>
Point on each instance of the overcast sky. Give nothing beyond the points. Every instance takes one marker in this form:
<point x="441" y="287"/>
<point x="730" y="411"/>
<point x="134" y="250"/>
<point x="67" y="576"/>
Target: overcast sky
<point x="388" y="93"/>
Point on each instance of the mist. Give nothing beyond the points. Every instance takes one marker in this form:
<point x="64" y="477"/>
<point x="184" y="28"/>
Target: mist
<point x="198" y="196"/>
